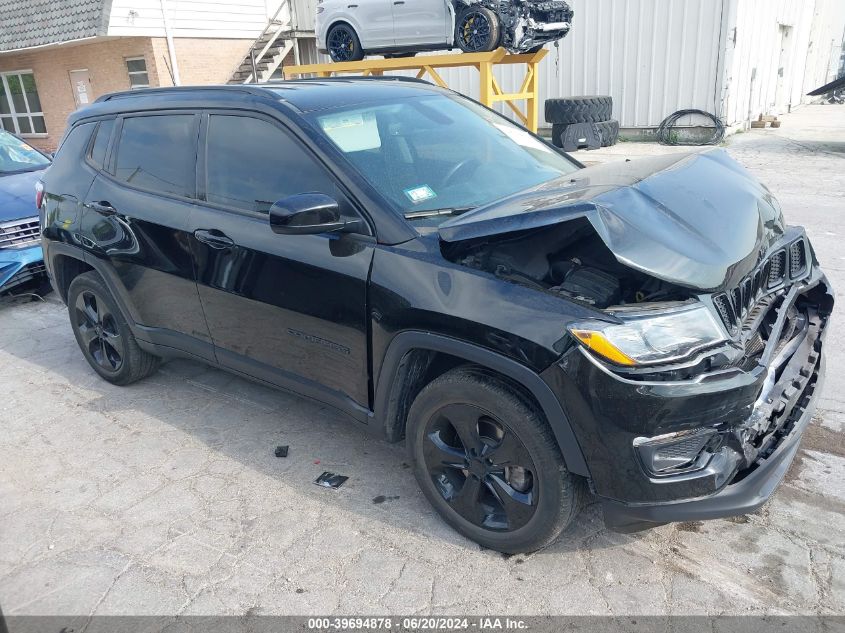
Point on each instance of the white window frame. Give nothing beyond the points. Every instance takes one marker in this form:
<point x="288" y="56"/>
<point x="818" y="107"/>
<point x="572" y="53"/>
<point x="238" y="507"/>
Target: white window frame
<point x="29" y="113"/>
<point x="146" y="71"/>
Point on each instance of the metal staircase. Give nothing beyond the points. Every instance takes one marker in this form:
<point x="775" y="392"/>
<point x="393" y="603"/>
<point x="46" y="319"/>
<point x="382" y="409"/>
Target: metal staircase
<point x="270" y="49"/>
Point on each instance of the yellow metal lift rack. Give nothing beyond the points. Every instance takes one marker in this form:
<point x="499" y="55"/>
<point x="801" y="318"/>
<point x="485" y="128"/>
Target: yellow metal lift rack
<point x="491" y="92"/>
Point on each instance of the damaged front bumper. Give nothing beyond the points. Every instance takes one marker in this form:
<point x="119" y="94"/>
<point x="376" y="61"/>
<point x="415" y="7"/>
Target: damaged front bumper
<point x="527" y="25"/>
<point x="744" y="427"/>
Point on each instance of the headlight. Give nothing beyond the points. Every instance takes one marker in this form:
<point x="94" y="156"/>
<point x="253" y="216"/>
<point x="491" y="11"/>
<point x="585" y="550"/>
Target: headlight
<point x="650" y="338"/>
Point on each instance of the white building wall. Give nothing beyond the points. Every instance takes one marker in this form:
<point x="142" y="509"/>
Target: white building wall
<point x="303" y="12"/>
<point x="244" y="19"/>
<point x="782" y="51"/>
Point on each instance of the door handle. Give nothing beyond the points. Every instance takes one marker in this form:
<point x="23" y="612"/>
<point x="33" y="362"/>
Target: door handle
<point x="399" y="2"/>
<point x="214" y="238"/>
<point x="103" y="208"/>
<point x="352" y="6"/>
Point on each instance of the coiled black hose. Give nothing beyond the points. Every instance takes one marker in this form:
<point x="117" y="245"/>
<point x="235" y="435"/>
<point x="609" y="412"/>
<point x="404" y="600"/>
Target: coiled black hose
<point x="666" y="135"/>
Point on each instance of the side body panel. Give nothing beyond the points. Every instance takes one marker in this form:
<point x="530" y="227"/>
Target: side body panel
<point x="146" y="251"/>
<point x="421" y="22"/>
<point x="286" y="307"/>
<point x="375" y="20"/>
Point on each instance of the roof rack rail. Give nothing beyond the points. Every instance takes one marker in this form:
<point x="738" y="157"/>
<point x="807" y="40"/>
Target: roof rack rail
<point x="128" y="94"/>
<point x="342" y="78"/>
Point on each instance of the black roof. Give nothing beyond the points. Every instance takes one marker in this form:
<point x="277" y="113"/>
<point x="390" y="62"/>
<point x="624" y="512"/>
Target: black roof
<point x="27" y="23"/>
<point x="304" y="95"/>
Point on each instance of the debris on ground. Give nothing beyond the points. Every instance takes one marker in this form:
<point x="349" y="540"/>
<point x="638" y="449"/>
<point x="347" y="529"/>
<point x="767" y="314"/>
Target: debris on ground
<point x="382" y="499"/>
<point x="282" y="451"/>
<point x="764" y="121"/>
<point x="330" y="480"/>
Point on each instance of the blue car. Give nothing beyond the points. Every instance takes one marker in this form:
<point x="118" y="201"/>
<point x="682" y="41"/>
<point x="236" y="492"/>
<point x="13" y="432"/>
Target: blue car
<point x="21" y="258"/>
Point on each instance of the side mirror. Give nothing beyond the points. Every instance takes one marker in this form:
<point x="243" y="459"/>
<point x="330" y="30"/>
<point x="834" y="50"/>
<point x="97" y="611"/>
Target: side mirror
<point x="310" y="214"/>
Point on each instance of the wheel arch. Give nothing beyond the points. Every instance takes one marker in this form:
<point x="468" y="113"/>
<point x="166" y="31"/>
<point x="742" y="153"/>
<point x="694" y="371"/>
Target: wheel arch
<point x="345" y="21"/>
<point x="67" y="266"/>
<point x="415" y="358"/>
<point x="67" y="263"/>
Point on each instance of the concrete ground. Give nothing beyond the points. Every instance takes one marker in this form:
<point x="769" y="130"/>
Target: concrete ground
<point x="165" y="497"/>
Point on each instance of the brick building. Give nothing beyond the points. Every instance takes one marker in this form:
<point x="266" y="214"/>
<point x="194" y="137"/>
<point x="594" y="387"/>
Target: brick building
<point x="57" y="55"/>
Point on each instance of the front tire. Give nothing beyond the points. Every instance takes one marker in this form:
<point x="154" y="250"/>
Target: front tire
<point x="343" y="44"/>
<point x="103" y="334"/>
<point x="477" y="30"/>
<point x="488" y="463"/>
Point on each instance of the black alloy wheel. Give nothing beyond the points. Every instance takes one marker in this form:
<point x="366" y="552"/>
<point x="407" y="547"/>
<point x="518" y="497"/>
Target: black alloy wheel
<point x="98" y="331"/>
<point x="488" y="462"/>
<point x="480" y="468"/>
<point x="343" y="44"/>
<point x="103" y="334"/>
<point x="477" y="30"/>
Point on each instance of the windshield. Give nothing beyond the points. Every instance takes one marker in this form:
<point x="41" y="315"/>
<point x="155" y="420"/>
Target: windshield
<point x="439" y="155"/>
<point x="15" y="155"/>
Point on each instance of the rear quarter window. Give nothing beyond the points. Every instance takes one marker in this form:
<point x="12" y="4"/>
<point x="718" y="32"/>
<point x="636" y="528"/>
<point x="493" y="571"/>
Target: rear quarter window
<point x="101" y="143"/>
<point x="70" y="155"/>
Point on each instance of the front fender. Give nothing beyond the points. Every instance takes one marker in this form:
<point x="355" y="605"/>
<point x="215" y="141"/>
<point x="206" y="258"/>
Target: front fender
<point x="408" y="341"/>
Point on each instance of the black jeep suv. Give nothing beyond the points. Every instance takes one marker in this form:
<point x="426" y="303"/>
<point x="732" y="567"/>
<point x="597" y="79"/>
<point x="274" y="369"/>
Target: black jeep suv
<point x="651" y="330"/>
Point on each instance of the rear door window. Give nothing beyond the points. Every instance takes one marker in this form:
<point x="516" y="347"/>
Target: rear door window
<point x="158" y="153"/>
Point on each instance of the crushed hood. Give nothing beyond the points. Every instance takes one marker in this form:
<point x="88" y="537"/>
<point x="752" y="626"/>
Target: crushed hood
<point x="699" y="220"/>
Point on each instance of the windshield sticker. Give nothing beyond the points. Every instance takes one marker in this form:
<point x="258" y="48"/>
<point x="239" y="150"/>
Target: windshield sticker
<point x="353" y="131"/>
<point x="420" y="194"/>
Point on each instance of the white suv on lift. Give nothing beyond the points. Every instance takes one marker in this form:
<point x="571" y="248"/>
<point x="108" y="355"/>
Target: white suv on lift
<point x="350" y="29"/>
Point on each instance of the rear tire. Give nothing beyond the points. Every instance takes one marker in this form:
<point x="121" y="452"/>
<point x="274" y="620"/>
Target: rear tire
<point x="477" y="30"/>
<point x="343" y="44"/>
<point x="505" y="485"/>
<point x="103" y="334"/>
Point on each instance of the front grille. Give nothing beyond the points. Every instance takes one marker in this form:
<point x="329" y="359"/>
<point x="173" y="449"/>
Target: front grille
<point x="736" y="304"/>
<point x="19" y="233"/>
<point x="797" y="259"/>
<point x="777" y="269"/>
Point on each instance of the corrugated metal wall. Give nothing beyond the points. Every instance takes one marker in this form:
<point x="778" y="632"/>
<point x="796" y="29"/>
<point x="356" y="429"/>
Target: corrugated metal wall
<point x="659" y="56"/>
<point x="653" y="56"/>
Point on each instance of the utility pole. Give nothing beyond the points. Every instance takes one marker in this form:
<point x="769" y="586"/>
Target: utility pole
<point x="171" y="49"/>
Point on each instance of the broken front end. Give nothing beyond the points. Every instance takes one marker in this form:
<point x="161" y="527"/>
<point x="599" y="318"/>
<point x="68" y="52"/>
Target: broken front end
<point x="528" y="24"/>
<point x="689" y="390"/>
<point x="711" y="432"/>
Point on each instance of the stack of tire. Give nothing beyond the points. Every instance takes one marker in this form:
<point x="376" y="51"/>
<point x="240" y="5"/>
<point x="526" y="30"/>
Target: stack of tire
<point x="594" y="112"/>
